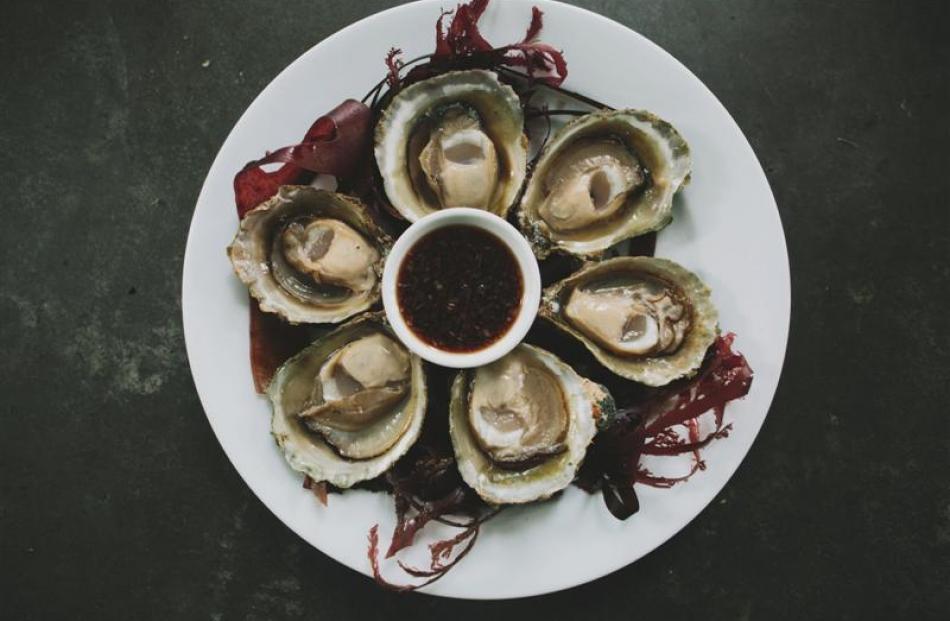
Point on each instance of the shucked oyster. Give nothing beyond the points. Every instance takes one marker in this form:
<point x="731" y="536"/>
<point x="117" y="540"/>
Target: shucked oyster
<point x="455" y="140"/>
<point x="309" y="255"/>
<point x="644" y="318"/>
<point x="521" y="425"/>
<point x="603" y="178"/>
<point x="359" y="385"/>
<point x="349" y="405"/>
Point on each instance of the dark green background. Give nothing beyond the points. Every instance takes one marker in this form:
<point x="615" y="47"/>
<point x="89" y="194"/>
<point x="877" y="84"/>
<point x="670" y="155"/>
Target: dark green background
<point x="118" y="503"/>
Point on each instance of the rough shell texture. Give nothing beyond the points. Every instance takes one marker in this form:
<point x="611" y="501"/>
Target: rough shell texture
<point x="501" y="115"/>
<point x="587" y="401"/>
<point x="304" y="450"/>
<point x="660" y="149"/>
<point x="652" y="371"/>
<point x="251" y="248"/>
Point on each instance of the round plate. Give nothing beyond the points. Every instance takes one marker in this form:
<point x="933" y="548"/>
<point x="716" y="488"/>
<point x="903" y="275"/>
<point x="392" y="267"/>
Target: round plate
<point x="726" y="229"/>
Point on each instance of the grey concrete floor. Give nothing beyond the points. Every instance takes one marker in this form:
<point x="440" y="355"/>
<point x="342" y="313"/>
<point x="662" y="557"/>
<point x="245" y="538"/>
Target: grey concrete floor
<point x="118" y="503"/>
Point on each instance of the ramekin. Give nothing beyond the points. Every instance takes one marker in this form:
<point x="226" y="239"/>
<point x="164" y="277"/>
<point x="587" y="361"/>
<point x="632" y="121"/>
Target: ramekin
<point x="530" y="278"/>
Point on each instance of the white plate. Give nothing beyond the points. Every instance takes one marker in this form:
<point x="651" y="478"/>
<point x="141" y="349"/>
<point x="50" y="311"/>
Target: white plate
<point x="726" y="228"/>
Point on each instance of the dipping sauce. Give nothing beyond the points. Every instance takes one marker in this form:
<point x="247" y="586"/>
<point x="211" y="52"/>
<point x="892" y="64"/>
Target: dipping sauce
<point x="459" y="288"/>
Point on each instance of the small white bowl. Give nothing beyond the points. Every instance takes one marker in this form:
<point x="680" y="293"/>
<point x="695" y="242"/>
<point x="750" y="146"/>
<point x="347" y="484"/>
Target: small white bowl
<point x="530" y="277"/>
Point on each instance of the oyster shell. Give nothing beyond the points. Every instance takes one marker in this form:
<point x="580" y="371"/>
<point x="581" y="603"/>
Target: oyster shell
<point x="310" y="255"/>
<point x="604" y="177"/>
<point x="454" y="140"/>
<point x="520" y="426"/>
<point x="647" y="319"/>
<point x="350" y="404"/>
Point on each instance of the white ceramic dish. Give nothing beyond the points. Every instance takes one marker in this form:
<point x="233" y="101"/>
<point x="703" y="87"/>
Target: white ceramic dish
<point x="530" y="276"/>
<point x="726" y="229"/>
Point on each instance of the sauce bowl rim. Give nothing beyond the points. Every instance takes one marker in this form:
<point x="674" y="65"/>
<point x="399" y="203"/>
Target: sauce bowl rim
<point x="524" y="257"/>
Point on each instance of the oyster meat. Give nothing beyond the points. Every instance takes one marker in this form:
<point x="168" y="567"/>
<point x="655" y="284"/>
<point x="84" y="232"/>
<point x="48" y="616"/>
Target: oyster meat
<point x="520" y="426"/>
<point x="647" y="319"/>
<point x="309" y="255"/>
<point x="455" y="140"/>
<point x="349" y="405"/>
<point x="603" y="178"/>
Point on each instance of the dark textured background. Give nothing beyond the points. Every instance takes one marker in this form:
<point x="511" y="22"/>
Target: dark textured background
<point x="118" y="503"/>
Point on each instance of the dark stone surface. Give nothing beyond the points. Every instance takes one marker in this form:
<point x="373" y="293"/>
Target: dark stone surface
<point x="117" y="502"/>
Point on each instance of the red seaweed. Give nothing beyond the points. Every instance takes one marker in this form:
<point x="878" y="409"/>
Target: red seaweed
<point x="317" y="488"/>
<point x="407" y="527"/>
<point x="333" y="145"/>
<point x="443" y="554"/>
<point x="650" y="428"/>
<point x="394" y="66"/>
<point x="426" y="487"/>
<point x="461" y="45"/>
<point x="463" y="40"/>
<point x="272" y="343"/>
<point x="439" y="553"/>
<point x="412" y="516"/>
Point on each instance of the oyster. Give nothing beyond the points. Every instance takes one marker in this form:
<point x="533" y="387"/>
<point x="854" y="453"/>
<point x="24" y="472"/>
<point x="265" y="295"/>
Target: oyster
<point x="647" y="319"/>
<point x="520" y="426"/>
<point x="350" y="404"/>
<point x="604" y="177"/>
<point x="455" y="140"/>
<point x="309" y="255"/>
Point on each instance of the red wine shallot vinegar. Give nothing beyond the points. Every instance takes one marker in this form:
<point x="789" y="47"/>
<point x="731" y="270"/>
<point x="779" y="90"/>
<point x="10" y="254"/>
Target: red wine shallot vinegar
<point x="459" y="288"/>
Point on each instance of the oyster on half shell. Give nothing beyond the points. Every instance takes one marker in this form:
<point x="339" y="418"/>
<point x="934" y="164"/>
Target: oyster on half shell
<point x="454" y="140"/>
<point x="520" y="426"/>
<point x="644" y="318"/>
<point x="350" y="404"/>
<point x="604" y="177"/>
<point x="309" y="255"/>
